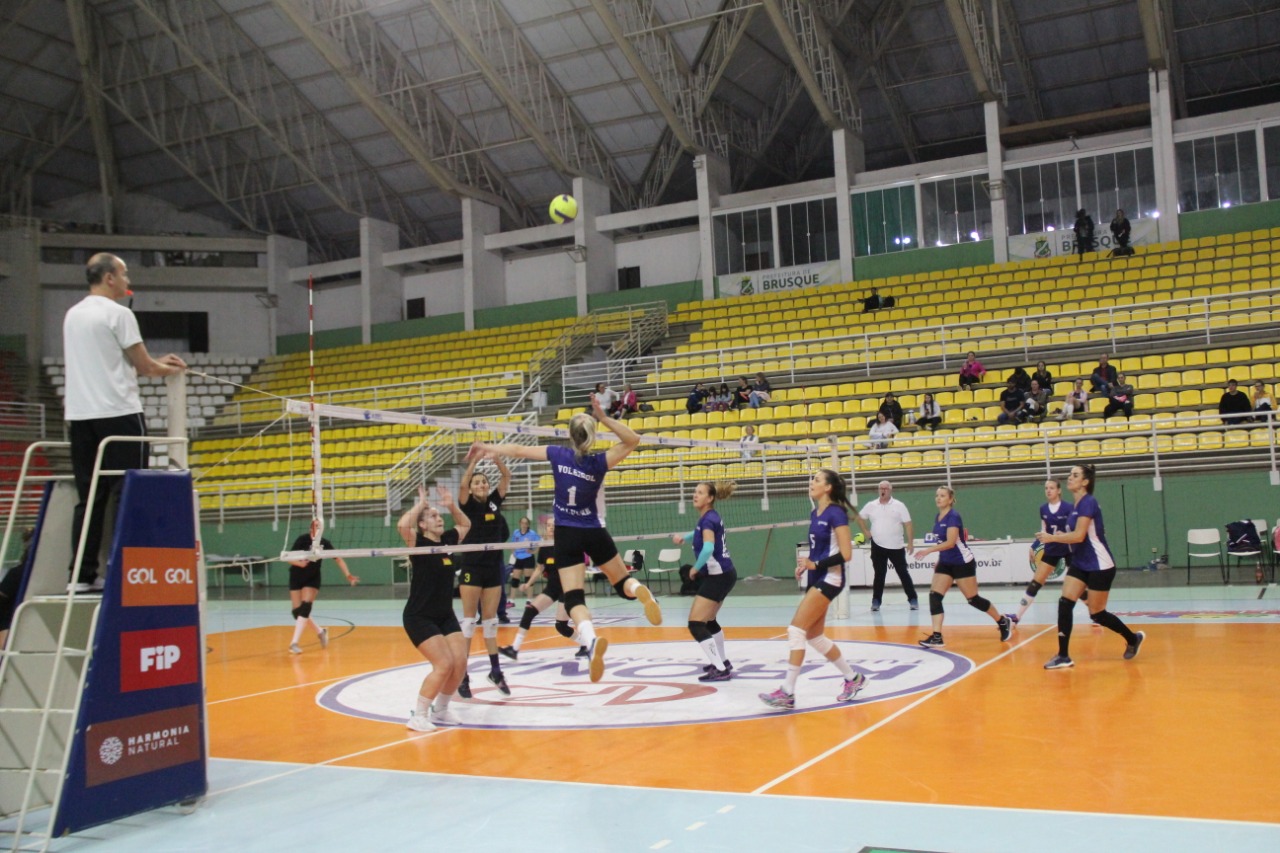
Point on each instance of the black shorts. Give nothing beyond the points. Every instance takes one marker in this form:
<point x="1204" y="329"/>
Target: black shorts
<point x="718" y="587"/>
<point x="573" y="542"/>
<point x="484" y="574"/>
<point x="816" y="578"/>
<point x="968" y="570"/>
<point x="423" y="628"/>
<point x="299" y="578"/>
<point x="1099" y="581"/>
<point x="552" y="588"/>
<point x="524" y="563"/>
<point x="1053" y="559"/>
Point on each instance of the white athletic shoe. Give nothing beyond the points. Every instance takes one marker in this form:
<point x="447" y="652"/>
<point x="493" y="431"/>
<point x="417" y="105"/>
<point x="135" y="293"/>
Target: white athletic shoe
<point x="442" y="718"/>
<point x="598" y="648"/>
<point x="419" y="723"/>
<point x="652" y="611"/>
<point x="324" y="638"/>
<point x="295" y="649"/>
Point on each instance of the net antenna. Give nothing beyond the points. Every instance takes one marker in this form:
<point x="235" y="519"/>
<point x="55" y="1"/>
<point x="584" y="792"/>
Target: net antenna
<point x="317" y="485"/>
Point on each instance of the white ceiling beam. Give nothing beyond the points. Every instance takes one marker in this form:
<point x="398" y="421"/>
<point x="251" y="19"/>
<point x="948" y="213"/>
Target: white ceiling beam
<point x="979" y="40"/>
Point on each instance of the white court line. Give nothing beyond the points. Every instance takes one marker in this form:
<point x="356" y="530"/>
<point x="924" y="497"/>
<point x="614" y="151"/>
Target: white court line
<point x="925" y="698"/>
<point x="695" y="826"/>
<point x="663" y="843"/>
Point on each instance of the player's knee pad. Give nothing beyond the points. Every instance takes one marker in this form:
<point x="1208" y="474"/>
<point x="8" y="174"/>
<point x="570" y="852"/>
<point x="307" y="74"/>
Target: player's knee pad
<point x="699" y="631"/>
<point x="935" y="603"/>
<point x="821" y="644"/>
<point x="621" y="588"/>
<point x="526" y="619"/>
<point x="795" y="638"/>
<point x="714" y="627"/>
<point x="1033" y="588"/>
<point x="979" y="603"/>
<point x="490" y="627"/>
<point x="574" y="598"/>
<point x="296" y="612"/>
<point x="304" y="610"/>
<point x="468" y="625"/>
<point x="563" y="629"/>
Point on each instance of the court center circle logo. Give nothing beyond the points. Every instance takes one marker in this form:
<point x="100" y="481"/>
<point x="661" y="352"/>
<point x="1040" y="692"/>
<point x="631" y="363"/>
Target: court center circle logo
<point x="647" y="684"/>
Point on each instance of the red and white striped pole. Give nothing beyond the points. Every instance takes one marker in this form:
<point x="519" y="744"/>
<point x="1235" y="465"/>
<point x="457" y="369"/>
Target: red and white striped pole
<point x="317" y="487"/>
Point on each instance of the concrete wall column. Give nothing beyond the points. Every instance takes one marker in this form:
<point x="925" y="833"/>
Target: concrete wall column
<point x="995" y="119"/>
<point x="851" y="158"/>
<point x="484" y="282"/>
<point x="1163" y="155"/>
<point x="713" y="181"/>
<point x="595" y="266"/>
<point x="289" y="317"/>
<point x="381" y="289"/>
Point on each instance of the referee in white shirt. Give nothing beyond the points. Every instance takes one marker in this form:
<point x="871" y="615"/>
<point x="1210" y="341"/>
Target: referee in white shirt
<point x="104" y="354"/>
<point x="888" y="517"/>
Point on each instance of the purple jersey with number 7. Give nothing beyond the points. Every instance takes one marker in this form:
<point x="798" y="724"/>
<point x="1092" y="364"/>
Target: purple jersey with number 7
<point x="579" y="500"/>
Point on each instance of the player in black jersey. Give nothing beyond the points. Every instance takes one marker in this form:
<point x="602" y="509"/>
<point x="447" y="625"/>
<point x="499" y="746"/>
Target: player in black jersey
<point x="429" y="619"/>
<point x="552" y="593"/>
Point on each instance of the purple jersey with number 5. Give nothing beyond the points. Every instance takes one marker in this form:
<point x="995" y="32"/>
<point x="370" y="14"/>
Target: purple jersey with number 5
<point x="579" y="483"/>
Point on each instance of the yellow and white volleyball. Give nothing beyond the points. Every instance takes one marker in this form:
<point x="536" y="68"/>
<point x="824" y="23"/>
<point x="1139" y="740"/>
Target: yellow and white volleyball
<point x="563" y="208"/>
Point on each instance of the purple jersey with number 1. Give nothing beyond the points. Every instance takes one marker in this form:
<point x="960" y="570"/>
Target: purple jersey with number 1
<point x="579" y="500"/>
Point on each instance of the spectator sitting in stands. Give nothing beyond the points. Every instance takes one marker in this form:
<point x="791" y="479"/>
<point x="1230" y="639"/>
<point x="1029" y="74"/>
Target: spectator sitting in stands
<point x="891" y="409"/>
<point x="882" y="432"/>
<point x="760" y="391"/>
<point x="1120" y="398"/>
<point x="1036" y="403"/>
<point x="930" y="413"/>
<point x="721" y="400"/>
<point x="749" y="437"/>
<point x="1120" y="229"/>
<point x="628" y="403"/>
<point x="1076" y="401"/>
<point x="742" y="394"/>
<point x="1234" y="405"/>
<point x="1043" y="376"/>
<point x="1021" y="378"/>
<point x="872" y="302"/>
<point x="1103" y="376"/>
<point x="1010" y="403"/>
<point x="607" y="397"/>
<point x="971" y="372"/>
<point x="1262" y="402"/>
<point x="697" y="397"/>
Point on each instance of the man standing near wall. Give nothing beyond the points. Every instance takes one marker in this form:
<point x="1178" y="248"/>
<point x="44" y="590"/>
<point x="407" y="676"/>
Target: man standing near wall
<point x="104" y="355"/>
<point x="888" y="517"/>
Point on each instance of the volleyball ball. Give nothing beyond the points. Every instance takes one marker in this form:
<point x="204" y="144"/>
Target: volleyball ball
<point x="563" y="208"/>
<point x="859" y="538"/>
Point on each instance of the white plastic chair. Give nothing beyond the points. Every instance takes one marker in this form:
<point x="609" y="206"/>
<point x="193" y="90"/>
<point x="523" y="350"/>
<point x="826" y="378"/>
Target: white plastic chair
<point x="668" y="562"/>
<point x="1201" y="538"/>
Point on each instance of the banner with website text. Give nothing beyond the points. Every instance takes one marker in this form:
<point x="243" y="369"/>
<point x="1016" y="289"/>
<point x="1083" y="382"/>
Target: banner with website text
<point x="772" y="281"/>
<point x="1052" y="244"/>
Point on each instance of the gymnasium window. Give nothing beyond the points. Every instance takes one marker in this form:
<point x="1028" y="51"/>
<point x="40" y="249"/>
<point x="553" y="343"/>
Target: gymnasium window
<point x="744" y="241"/>
<point x="1271" y="144"/>
<point x="1124" y="180"/>
<point x="1041" y="198"/>
<point x="885" y="221"/>
<point x="1218" y="171"/>
<point x="955" y="210"/>
<point x="807" y="232"/>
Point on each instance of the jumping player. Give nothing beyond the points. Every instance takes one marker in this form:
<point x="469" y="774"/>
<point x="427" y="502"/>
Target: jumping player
<point x="1090" y="566"/>
<point x="1046" y="558"/>
<point x="304" y="587"/>
<point x="956" y="565"/>
<point x="552" y="593"/>
<point x="480" y="585"/>
<point x="578" y="509"/>
<point x="717" y="577"/>
<point x="428" y="618"/>
<point x="830" y="547"/>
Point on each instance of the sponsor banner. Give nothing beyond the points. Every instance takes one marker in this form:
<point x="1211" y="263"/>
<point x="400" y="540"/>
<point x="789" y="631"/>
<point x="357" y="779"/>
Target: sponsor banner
<point x="1052" y="244"/>
<point x="158" y="577"/>
<point x="162" y="658"/>
<point x="771" y="281"/>
<point x="119" y="749"/>
<point x="649" y="684"/>
<point x="1000" y="561"/>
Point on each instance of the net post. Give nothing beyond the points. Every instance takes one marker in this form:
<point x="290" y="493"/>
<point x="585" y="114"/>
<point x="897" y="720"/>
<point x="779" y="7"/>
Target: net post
<point x="175" y="389"/>
<point x="764" y="485"/>
<point x="680" y="481"/>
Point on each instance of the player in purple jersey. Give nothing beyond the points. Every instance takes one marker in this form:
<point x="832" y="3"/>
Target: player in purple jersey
<point x="956" y="565"/>
<point x="545" y="567"/>
<point x="428" y="617"/>
<point x="716" y="574"/>
<point x="578" y="509"/>
<point x="830" y="548"/>
<point x="1046" y="558"/>
<point x="1090" y="566"/>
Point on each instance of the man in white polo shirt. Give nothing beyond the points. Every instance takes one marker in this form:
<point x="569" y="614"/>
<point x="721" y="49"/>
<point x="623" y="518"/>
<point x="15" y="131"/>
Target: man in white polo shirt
<point x="888" y="518"/>
<point x="104" y="354"/>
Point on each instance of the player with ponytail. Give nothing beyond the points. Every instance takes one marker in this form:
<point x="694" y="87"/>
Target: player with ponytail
<point x="714" y="568"/>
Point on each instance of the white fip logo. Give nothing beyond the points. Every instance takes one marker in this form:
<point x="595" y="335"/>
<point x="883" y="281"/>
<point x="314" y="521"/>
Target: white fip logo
<point x="159" y="657"/>
<point x="111" y="750"/>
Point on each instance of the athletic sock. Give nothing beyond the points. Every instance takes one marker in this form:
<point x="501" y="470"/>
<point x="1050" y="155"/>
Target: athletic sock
<point x="1065" y="607"/>
<point x="442" y="701"/>
<point x="789" y="683"/>
<point x="709" y="649"/>
<point x="843" y="665"/>
<point x="718" y="636"/>
<point x="494" y="666"/>
<point x="315" y="626"/>
<point x="299" y="625"/>
<point x="1107" y="619"/>
<point x="519" y="640"/>
<point x="586" y="633"/>
<point x="423" y="706"/>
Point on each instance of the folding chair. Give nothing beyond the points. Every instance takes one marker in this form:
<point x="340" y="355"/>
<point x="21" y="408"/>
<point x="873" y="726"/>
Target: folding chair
<point x="668" y="563"/>
<point x="1202" y="538"/>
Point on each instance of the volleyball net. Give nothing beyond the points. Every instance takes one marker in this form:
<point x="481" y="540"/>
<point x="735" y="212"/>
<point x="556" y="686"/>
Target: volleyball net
<point x="648" y="497"/>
